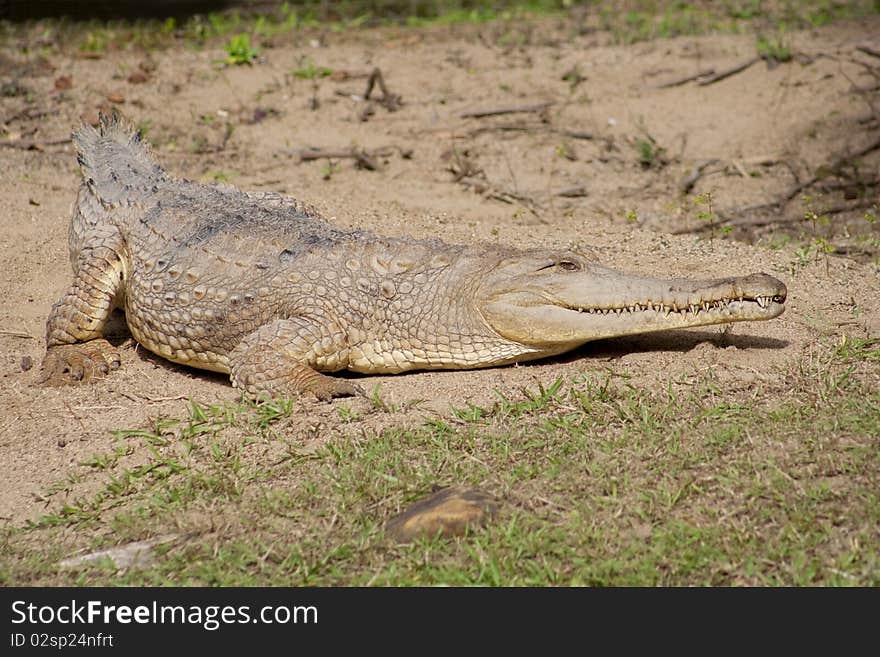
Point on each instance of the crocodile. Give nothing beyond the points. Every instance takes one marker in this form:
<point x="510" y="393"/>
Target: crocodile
<point x="258" y="285"/>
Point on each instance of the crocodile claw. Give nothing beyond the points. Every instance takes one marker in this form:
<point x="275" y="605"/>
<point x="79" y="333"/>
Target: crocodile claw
<point x="83" y="362"/>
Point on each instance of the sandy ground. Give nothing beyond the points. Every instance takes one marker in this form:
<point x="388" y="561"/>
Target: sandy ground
<point x="795" y="117"/>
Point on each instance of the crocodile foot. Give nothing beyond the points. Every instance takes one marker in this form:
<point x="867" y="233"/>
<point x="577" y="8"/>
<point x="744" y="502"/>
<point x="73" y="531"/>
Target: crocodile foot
<point x="328" y="388"/>
<point x="82" y="362"/>
<point x="294" y="383"/>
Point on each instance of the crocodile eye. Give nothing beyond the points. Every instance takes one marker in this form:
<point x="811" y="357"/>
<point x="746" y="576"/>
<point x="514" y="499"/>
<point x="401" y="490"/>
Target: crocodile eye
<point x="568" y="265"/>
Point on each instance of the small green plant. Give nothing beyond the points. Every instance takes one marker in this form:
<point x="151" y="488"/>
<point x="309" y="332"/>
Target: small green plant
<point x="308" y="71"/>
<point x="574" y="77"/>
<point x="744" y="10"/>
<point x="646" y="152"/>
<point x="219" y="176"/>
<point x="804" y="255"/>
<point x="143" y="128"/>
<point x="329" y="169"/>
<point x="815" y="219"/>
<point x="707" y="213"/>
<point x="651" y="154"/>
<point x="566" y="151"/>
<point x="239" y="51"/>
<point x="774" y="50"/>
<point x="95" y="42"/>
<point x="856" y="349"/>
<point x="347" y="414"/>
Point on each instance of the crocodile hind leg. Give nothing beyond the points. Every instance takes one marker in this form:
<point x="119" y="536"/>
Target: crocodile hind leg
<point x="276" y="361"/>
<point x="75" y="348"/>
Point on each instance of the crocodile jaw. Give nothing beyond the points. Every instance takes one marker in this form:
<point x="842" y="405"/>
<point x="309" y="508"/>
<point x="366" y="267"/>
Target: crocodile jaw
<point x="560" y="310"/>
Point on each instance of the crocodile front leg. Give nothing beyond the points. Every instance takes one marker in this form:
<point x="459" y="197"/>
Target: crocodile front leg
<point x="277" y="360"/>
<point x="75" y="349"/>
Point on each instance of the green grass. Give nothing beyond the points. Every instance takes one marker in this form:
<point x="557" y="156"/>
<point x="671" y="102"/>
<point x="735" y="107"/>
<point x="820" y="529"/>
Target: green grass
<point x="774" y="49"/>
<point x="307" y="70"/>
<point x="628" y="21"/>
<point x="239" y="51"/>
<point x="602" y="483"/>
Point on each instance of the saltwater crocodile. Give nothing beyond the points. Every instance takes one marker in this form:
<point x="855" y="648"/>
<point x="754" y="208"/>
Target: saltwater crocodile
<point x="259" y="286"/>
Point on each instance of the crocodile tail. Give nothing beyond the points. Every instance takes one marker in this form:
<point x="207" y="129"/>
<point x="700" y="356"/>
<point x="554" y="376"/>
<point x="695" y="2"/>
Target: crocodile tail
<point x="116" y="163"/>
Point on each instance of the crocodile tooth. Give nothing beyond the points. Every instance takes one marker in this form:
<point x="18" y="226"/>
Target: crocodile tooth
<point x="706" y="305"/>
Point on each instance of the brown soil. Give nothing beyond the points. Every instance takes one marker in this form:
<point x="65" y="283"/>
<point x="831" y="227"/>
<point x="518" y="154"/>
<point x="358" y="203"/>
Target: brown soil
<point x="795" y="116"/>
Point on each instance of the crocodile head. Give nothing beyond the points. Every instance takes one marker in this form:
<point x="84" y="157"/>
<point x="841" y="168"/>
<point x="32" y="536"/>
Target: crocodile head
<point x="555" y="301"/>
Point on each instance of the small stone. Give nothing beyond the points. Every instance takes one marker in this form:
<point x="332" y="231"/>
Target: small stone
<point x="116" y="98"/>
<point x="26" y="363"/>
<point x="63" y="82"/>
<point x="91" y="118"/>
<point x="448" y="512"/>
<point x="138" y="77"/>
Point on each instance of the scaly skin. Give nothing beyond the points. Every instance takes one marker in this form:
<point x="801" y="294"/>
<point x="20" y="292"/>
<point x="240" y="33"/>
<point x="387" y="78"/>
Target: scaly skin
<point x="260" y="287"/>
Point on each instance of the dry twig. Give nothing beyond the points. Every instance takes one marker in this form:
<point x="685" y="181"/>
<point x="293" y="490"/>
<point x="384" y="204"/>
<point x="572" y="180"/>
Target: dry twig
<point x="688" y="182"/>
<point x="389" y="101"/>
<point x="868" y="50"/>
<point x="361" y="158"/>
<point x="722" y="75"/>
<point x="31" y="145"/>
<point x="498" y="111"/>
<point x="685" y="80"/>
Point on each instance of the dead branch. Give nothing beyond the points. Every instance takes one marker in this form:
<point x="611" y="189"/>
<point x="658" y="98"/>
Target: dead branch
<point x="530" y="127"/>
<point x="575" y="134"/>
<point x="739" y="68"/>
<point x="30" y="145"/>
<point x="746" y="220"/>
<point x="868" y="50"/>
<point x="867" y="89"/>
<point x="498" y="111"/>
<point x="852" y="250"/>
<point x="850" y="189"/>
<point x="573" y="192"/>
<point x="491" y="191"/>
<point x="740" y="169"/>
<point x="688" y="182"/>
<point x="25" y="113"/>
<point x="685" y="80"/>
<point x="833" y="167"/>
<point x="361" y="158"/>
<point x="391" y="102"/>
<point x="506" y="127"/>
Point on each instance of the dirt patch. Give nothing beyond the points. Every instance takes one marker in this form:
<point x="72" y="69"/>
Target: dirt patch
<point x="571" y="169"/>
